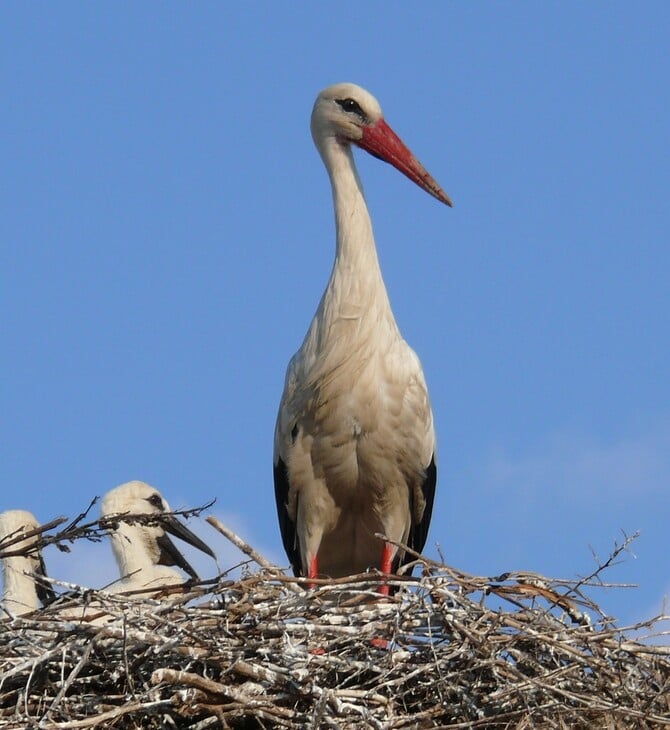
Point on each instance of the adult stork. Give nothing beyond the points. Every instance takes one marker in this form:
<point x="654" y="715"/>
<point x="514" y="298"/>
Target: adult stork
<point x="144" y="552"/>
<point x="354" y="447"/>
<point x="22" y="563"/>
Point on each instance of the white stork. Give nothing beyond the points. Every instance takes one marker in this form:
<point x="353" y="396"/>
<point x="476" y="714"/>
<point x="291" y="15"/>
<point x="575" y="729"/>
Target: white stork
<point x="144" y="553"/>
<point x="22" y="560"/>
<point x="354" y="447"/>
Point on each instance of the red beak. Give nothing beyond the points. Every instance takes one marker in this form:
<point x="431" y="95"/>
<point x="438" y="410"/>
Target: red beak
<point x="381" y="141"/>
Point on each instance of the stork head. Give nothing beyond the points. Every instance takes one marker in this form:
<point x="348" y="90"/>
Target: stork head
<point x="136" y="545"/>
<point x="350" y="114"/>
<point x="14" y="524"/>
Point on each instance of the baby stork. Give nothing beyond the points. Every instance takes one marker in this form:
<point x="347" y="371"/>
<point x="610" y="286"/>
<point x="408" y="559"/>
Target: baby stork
<point x="21" y="564"/>
<point x="144" y="552"/>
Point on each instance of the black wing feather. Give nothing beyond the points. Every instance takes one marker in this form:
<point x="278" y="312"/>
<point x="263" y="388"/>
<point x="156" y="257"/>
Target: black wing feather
<point x="419" y="531"/>
<point x="44" y="591"/>
<point x="286" y="526"/>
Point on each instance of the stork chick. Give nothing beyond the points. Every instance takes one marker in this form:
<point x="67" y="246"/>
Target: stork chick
<point x="145" y="553"/>
<point x="22" y="593"/>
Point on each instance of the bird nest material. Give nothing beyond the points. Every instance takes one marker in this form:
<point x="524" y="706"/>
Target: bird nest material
<point x="447" y="650"/>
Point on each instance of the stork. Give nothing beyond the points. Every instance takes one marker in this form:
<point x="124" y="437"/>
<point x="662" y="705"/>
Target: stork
<point x="21" y="563"/>
<point x="144" y="552"/>
<point x="354" y="446"/>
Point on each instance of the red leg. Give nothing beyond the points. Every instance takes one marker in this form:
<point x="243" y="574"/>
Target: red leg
<point x="384" y="590"/>
<point x="387" y="558"/>
<point x="387" y="566"/>
<point x="313" y="571"/>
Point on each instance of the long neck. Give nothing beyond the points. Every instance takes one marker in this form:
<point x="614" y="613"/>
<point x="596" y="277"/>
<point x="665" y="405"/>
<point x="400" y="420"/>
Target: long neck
<point x="356" y="287"/>
<point x="20" y="592"/>
<point x="131" y="550"/>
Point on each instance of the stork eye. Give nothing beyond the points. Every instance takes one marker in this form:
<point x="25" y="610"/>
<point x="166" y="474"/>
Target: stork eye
<point x="351" y="106"/>
<point x="155" y="501"/>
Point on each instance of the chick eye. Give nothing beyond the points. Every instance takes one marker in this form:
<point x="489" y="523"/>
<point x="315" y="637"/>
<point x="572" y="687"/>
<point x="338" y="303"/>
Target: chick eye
<point x="351" y="106"/>
<point x="155" y="501"/>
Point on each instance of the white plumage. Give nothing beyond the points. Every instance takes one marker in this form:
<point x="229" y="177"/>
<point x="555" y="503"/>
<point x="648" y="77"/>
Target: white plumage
<point x="22" y="594"/>
<point x="145" y="553"/>
<point x="354" y="448"/>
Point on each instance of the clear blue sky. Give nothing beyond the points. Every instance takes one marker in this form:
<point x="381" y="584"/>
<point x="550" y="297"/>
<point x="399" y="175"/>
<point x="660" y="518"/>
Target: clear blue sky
<point x="166" y="232"/>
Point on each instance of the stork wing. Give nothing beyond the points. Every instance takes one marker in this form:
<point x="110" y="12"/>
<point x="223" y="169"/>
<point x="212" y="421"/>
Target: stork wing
<point x="286" y="526"/>
<point x="419" y="530"/>
<point x="421" y="486"/>
<point x="44" y="591"/>
<point x="289" y="407"/>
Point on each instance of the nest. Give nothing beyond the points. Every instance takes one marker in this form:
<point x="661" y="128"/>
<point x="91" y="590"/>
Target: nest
<point x="446" y="649"/>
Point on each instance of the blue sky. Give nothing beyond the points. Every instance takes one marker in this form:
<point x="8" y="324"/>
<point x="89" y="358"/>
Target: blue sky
<point x="167" y="232"/>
